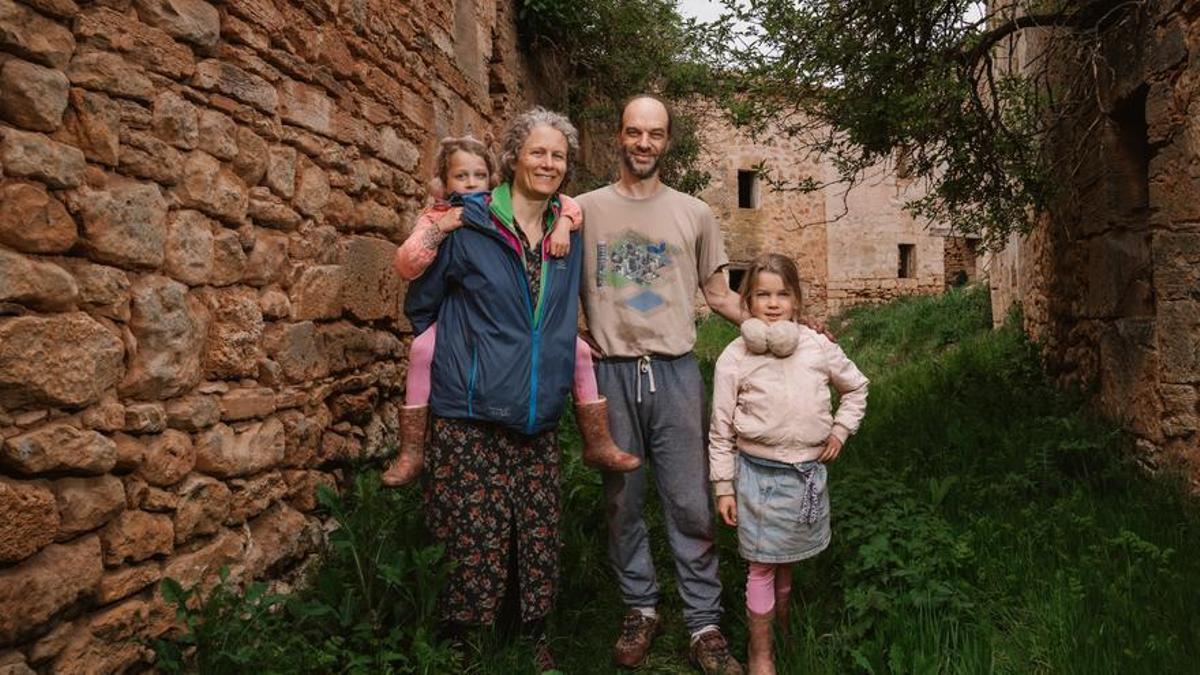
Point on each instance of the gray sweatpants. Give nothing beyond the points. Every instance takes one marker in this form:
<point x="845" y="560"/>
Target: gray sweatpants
<point x="656" y="411"/>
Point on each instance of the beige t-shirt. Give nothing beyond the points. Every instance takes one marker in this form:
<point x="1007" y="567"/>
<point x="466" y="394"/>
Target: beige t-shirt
<point x="643" y="260"/>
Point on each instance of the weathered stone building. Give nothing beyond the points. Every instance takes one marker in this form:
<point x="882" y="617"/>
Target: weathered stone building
<point x="852" y="247"/>
<point x="1109" y="278"/>
<point x="198" y="320"/>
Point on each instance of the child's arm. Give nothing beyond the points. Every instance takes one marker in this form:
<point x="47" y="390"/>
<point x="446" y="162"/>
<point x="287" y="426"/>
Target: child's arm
<point x="560" y="238"/>
<point x="721" y="433"/>
<point x="417" y="252"/>
<point x="852" y="385"/>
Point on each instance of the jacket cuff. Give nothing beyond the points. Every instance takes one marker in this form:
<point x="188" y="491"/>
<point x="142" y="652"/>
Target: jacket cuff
<point x="842" y="433"/>
<point x="722" y="488"/>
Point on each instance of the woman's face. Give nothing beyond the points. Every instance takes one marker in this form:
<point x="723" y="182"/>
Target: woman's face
<point x="542" y="162"/>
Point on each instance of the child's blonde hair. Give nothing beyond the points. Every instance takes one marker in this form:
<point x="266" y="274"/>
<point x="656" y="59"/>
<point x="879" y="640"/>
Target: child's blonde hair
<point x="450" y="145"/>
<point x="776" y="264"/>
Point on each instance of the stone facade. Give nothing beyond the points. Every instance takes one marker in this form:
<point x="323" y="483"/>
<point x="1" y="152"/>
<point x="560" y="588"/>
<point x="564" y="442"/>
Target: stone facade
<point x="848" y="244"/>
<point x="198" y="318"/>
<point x="1108" y="279"/>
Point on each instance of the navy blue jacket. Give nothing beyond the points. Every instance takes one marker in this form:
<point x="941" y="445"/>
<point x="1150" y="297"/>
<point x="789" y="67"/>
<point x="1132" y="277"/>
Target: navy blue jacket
<point x="499" y="358"/>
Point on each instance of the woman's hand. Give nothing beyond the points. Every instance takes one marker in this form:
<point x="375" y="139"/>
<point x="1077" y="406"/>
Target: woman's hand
<point x="727" y="507"/>
<point x="449" y="221"/>
<point x="833" y="448"/>
<point x="560" y="240"/>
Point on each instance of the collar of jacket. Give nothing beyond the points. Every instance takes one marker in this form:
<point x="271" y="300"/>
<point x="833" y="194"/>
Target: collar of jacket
<point x="502" y="209"/>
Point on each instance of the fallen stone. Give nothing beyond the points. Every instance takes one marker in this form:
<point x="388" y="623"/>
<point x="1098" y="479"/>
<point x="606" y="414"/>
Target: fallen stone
<point x="224" y="453"/>
<point x="135" y="536"/>
<point x="169" y="327"/>
<point x="58" y="446"/>
<point x="32" y="221"/>
<point x="32" y="155"/>
<point x="29" y="35"/>
<point x="36" y="284"/>
<point x="124" y="224"/>
<point x="28" y="518"/>
<point x="85" y="504"/>
<point x="33" y="592"/>
<point x="34" y="97"/>
<point x="203" y="505"/>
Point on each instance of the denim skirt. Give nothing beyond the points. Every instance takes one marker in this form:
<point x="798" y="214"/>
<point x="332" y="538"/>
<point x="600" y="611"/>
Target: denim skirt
<point x="783" y="510"/>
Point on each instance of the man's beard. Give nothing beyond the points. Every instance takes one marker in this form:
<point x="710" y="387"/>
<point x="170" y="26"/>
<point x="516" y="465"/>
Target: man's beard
<point x="640" y="174"/>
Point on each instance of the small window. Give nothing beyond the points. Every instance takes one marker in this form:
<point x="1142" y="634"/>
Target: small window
<point x="737" y="274"/>
<point x="908" y="261"/>
<point x="747" y="189"/>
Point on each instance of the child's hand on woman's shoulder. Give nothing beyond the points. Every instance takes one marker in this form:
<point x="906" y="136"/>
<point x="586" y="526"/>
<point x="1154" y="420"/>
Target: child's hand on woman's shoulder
<point x="727" y="507"/>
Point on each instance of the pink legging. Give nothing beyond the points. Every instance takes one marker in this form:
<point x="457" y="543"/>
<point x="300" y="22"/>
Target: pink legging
<point x="420" y="363"/>
<point x="764" y="582"/>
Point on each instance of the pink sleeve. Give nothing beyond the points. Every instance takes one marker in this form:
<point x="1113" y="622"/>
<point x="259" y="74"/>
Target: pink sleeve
<point x="570" y="209"/>
<point x="414" y="256"/>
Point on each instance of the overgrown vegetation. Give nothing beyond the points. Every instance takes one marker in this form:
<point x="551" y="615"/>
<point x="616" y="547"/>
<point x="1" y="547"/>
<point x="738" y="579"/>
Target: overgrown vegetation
<point x="983" y="522"/>
<point x="964" y="95"/>
<point x="594" y="55"/>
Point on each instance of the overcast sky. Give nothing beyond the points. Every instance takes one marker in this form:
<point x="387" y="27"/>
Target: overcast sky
<point x="705" y="10"/>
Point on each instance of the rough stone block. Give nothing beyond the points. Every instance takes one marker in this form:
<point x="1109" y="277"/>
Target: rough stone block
<point x="251" y="161"/>
<point x="268" y="210"/>
<point x="135" y="536"/>
<point x="312" y="188"/>
<point x="170" y="327"/>
<point x="229" y="260"/>
<point x="28" y="518"/>
<point x="32" y="155"/>
<point x="193" y="413"/>
<point x="371" y="289"/>
<point x="93" y="121"/>
<point x="203" y="505"/>
<point x="305" y="106"/>
<point x="103" y="290"/>
<point x="58" y="446"/>
<point x="111" y="74"/>
<point x="397" y="150"/>
<point x="317" y="294"/>
<point x="125" y="581"/>
<point x="168" y="458"/>
<point x="232" y="348"/>
<point x="228" y="79"/>
<point x="252" y="496"/>
<point x="28" y="34"/>
<point x="202" y="565"/>
<point x="193" y="21"/>
<point x="34" y="283"/>
<point x="34" y="97"/>
<point x="188" y="251"/>
<point x="244" y="404"/>
<point x="146" y="156"/>
<point x="85" y="504"/>
<point x="124" y="223"/>
<point x="276" y="537"/>
<point x="34" y="591"/>
<point x="67" y="360"/>
<point x="115" y="31"/>
<point x="33" y="221"/>
<point x="224" y="453"/>
<point x="218" y="134"/>
<point x="281" y="171"/>
<point x="175" y="120"/>
<point x="1178" y="349"/>
<point x="213" y="189"/>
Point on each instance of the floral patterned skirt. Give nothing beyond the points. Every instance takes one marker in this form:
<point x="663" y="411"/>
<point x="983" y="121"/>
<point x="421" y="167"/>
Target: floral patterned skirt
<point x="492" y="497"/>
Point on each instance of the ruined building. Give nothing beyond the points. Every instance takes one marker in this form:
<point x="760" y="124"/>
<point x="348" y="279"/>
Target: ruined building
<point x="199" y="203"/>
<point x="1109" y="279"/>
<point x="852" y="247"/>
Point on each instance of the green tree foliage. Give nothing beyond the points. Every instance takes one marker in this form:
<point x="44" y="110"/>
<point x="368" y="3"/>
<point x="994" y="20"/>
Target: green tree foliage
<point x="942" y="86"/>
<point x="597" y="54"/>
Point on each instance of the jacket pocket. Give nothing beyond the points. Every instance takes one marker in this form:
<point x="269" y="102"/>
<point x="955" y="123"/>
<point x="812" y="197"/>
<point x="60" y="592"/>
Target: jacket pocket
<point x="472" y="380"/>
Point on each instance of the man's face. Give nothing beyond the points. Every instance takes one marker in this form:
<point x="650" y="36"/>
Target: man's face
<point x="643" y="137"/>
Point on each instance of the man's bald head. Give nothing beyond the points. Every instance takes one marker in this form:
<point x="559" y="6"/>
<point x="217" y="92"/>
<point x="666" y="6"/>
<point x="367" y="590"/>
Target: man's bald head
<point x="646" y="106"/>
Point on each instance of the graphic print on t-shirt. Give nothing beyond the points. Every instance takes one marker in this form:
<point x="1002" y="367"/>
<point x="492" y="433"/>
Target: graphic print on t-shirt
<point x="634" y="261"/>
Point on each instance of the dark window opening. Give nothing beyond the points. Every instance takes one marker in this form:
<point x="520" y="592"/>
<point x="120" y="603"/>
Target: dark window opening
<point x="747" y="189"/>
<point x="1131" y="161"/>
<point x="908" y="261"/>
<point x="737" y="274"/>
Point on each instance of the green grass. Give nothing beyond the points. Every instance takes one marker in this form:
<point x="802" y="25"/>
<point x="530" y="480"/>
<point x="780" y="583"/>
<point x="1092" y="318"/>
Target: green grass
<point x="983" y="522"/>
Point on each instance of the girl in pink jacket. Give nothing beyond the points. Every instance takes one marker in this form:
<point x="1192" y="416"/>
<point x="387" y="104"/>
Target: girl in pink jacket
<point x="465" y="165"/>
<point x="773" y="429"/>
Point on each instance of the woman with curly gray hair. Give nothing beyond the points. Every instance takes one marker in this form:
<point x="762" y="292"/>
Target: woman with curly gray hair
<point x="502" y="370"/>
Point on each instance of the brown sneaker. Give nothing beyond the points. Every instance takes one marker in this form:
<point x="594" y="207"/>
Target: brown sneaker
<point x="710" y="653"/>
<point x="637" y="634"/>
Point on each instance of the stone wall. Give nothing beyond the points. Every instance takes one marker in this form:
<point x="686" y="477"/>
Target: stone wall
<point x="1108" y="280"/>
<point x="198" y="319"/>
<point x="845" y="243"/>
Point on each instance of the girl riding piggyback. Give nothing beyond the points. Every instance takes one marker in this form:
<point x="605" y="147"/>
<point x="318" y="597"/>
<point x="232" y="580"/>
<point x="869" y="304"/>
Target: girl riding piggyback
<point x="465" y="166"/>
<point x="773" y="430"/>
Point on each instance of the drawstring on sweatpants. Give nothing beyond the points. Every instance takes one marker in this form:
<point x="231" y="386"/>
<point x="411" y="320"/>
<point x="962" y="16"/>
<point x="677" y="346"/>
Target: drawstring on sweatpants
<point x="644" y="367"/>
